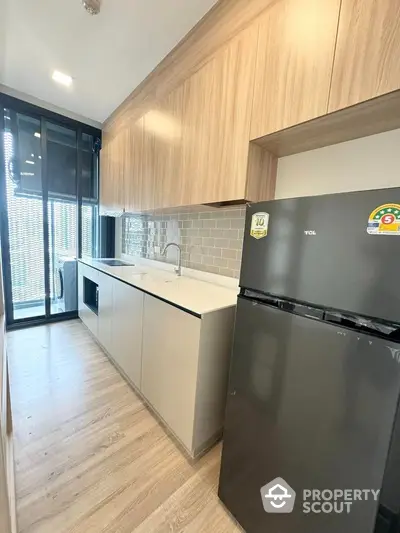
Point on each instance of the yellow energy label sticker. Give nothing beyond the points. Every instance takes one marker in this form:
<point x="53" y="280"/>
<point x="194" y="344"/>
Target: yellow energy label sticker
<point x="385" y="220"/>
<point x="259" y="225"/>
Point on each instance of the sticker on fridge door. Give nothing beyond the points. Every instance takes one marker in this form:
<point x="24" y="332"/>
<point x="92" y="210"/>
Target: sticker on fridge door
<point x="259" y="225"/>
<point x="385" y="220"/>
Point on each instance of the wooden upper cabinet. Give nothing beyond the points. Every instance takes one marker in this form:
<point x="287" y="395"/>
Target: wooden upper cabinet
<point x="294" y="63"/>
<point x="134" y="174"/>
<point x="106" y="200"/>
<point x="112" y="170"/>
<point x="367" y="59"/>
<point x="195" y="123"/>
<point x="147" y="185"/>
<point x="140" y="171"/>
<point x="171" y="186"/>
<point x="216" y="122"/>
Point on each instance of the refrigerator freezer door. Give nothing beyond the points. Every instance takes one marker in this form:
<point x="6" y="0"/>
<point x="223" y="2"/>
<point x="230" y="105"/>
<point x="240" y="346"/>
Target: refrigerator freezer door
<point x="313" y="404"/>
<point x="318" y="250"/>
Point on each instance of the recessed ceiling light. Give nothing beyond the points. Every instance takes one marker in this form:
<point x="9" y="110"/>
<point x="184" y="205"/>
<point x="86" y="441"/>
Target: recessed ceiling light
<point x="37" y="134"/>
<point x="64" y="79"/>
<point x="30" y="162"/>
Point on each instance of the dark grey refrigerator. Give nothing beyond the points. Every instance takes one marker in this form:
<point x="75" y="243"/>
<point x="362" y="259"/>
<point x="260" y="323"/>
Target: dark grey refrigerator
<point x="315" y="372"/>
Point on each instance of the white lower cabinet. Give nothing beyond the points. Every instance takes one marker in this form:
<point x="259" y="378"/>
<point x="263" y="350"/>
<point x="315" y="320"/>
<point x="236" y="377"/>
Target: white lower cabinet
<point x="171" y="340"/>
<point x="179" y="362"/>
<point x="118" y="322"/>
<point x="127" y="330"/>
<point x="106" y="311"/>
<point x="185" y="366"/>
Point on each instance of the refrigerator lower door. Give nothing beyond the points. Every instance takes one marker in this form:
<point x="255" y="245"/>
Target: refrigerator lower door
<point x="313" y="404"/>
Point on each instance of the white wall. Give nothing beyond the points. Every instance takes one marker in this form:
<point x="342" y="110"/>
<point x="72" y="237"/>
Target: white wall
<point x="368" y="163"/>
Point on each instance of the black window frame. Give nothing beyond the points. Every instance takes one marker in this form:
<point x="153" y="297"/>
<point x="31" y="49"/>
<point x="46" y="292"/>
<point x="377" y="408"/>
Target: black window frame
<point x="44" y="115"/>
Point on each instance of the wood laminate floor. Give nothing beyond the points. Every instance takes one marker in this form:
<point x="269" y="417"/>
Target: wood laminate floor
<point x="90" y="458"/>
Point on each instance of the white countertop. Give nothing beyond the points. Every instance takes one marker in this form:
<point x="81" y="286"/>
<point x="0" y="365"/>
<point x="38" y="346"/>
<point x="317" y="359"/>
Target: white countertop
<point x="197" y="296"/>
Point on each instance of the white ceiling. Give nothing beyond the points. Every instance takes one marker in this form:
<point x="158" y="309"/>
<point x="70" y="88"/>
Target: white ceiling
<point x="108" y="55"/>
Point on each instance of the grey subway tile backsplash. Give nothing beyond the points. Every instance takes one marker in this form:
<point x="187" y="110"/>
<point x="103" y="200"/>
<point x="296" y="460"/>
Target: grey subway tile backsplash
<point x="221" y="243"/>
<point x="224" y="223"/>
<point x="208" y="241"/>
<point x="236" y="244"/>
<point x="229" y="254"/>
<point x="231" y="234"/>
<point x="211" y="240"/>
<point x="209" y="223"/>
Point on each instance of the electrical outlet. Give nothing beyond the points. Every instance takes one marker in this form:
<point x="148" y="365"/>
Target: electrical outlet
<point x="157" y="249"/>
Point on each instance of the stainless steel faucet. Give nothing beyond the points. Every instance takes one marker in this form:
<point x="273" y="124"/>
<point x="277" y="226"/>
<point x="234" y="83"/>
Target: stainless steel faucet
<point x="178" y="268"/>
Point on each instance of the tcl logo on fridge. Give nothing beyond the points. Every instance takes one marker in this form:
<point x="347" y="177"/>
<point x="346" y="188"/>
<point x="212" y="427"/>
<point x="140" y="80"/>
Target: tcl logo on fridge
<point x="310" y="232"/>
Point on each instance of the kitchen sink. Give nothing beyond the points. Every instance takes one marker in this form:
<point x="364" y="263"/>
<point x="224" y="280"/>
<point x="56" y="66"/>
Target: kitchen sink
<point x="114" y="262"/>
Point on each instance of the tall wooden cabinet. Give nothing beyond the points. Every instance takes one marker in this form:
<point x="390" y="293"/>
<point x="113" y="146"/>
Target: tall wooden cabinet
<point x="139" y="173"/>
<point x="294" y="64"/>
<point x="367" y="61"/>
<point x="113" y="163"/>
<point x="216" y="122"/>
<point x="148" y="175"/>
<point x="172" y="186"/>
<point x="134" y="167"/>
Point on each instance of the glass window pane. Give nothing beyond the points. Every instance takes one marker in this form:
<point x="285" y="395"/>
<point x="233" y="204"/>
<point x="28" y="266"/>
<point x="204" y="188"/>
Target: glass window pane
<point x="62" y="217"/>
<point x="25" y="188"/>
<point x="89" y="186"/>
<point x="22" y="158"/>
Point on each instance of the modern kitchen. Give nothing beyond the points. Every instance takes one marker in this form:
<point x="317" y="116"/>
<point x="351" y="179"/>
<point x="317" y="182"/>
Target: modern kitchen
<point x="199" y="297"/>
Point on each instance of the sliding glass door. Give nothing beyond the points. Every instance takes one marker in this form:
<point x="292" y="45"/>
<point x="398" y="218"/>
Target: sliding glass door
<point x="49" y="196"/>
<point x="62" y="209"/>
<point x="25" y="250"/>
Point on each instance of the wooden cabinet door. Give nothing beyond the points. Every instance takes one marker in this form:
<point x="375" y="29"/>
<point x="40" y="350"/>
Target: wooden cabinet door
<point x="106" y="192"/>
<point x="147" y="184"/>
<point x="216" y="122"/>
<point x="172" y="186"/>
<point x="140" y="167"/>
<point x="113" y="165"/>
<point x="294" y="63"/>
<point x="105" y="316"/>
<point x="367" y="59"/>
<point x="169" y="365"/>
<point x="134" y="166"/>
<point x="127" y="330"/>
